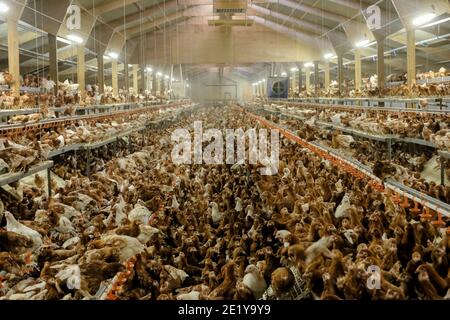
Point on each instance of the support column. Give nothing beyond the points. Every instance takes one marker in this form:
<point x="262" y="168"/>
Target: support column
<point x="53" y="59"/>
<point x="142" y="84"/>
<point x="341" y="74"/>
<point x="135" y="79"/>
<point x="300" y="80"/>
<point x="126" y="82"/>
<point x="294" y="82"/>
<point x="154" y="83"/>
<point x="357" y="69"/>
<point x="380" y="66"/>
<point x="114" y="77"/>
<point x="100" y="72"/>
<point x="411" y="57"/>
<point x="150" y="81"/>
<point x="81" y="69"/>
<point x="308" y="79"/>
<point x="157" y="79"/>
<point x="327" y="75"/>
<point x="316" y="78"/>
<point x="13" y="56"/>
<point x="163" y="86"/>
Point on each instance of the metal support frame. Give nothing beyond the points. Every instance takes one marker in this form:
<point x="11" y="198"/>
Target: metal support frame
<point x="49" y="182"/>
<point x="341" y="74"/>
<point x="389" y="148"/>
<point x="316" y="78"/>
<point x="100" y="73"/>
<point x="53" y="58"/>
<point x="88" y="162"/>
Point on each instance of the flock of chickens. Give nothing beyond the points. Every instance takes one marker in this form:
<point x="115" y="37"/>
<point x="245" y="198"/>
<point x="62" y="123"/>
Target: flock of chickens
<point x="432" y="127"/>
<point x="407" y="165"/>
<point x="67" y="94"/>
<point x="370" y="87"/>
<point x="29" y="149"/>
<point x="217" y="231"/>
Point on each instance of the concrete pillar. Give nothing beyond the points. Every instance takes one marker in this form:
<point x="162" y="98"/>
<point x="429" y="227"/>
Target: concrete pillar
<point x="316" y="78"/>
<point x="380" y="65"/>
<point x="357" y="69"/>
<point x="308" y="79"/>
<point x="100" y="73"/>
<point x="158" y="84"/>
<point x="300" y="80"/>
<point x="142" y="84"/>
<point x="163" y="85"/>
<point x="327" y="75"/>
<point x="81" y="69"/>
<point x="53" y="59"/>
<point x="13" y="56"/>
<point x="114" y="77"/>
<point x="341" y="74"/>
<point x="294" y="81"/>
<point x="411" y="57"/>
<point x="135" y="79"/>
<point x="154" y="83"/>
<point x="126" y="83"/>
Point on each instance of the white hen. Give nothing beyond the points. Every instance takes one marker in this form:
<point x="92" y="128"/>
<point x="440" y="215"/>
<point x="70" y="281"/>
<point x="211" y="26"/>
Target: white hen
<point x="254" y="281"/>
<point x="14" y="226"/>
<point x="140" y="214"/>
<point x="119" y="209"/>
<point x="147" y="233"/>
<point x="238" y="206"/>
<point x="175" y="203"/>
<point x="319" y="247"/>
<point x="217" y="216"/>
<point x="341" y="210"/>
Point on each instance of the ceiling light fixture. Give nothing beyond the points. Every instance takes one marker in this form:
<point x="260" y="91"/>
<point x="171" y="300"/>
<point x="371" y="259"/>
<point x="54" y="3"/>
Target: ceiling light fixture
<point x="166" y="76"/>
<point x="421" y="20"/>
<point x="75" y="38"/>
<point x="362" y="43"/>
<point x="3" y="7"/>
<point x="149" y="69"/>
<point x="436" y="22"/>
<point x="294" y="69"/>
<point x="308" y="65"/>
<point x="283" y="74"/>
<point x="159" y="74"/>
<point x="113" y="55"/>
<point x="329" y="56"/>
<point x="63" y="40"/>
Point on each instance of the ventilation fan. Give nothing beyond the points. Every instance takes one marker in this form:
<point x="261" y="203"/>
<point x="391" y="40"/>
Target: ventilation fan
<point x="278" y="87"/>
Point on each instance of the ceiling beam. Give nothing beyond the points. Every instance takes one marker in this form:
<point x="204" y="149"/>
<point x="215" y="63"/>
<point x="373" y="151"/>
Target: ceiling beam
<point x="352" y="4"/>
<point x="110" y="6"/>
<point x="186" y="13"/>
<point x="149" y="13"/>
<point x="311" y="10"/>
<point x="302" y="24"/>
